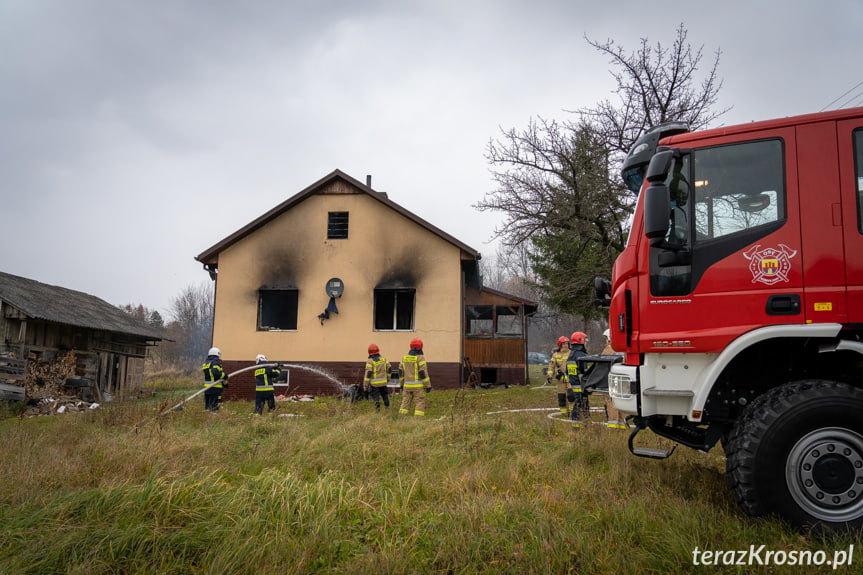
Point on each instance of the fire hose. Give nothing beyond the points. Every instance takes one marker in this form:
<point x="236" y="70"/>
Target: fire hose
<point x="207" y="386"/>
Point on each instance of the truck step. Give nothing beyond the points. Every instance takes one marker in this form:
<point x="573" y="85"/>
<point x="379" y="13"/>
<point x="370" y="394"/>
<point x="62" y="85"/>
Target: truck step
<point x="653" y="453"/>
<point x="669" y="392"/>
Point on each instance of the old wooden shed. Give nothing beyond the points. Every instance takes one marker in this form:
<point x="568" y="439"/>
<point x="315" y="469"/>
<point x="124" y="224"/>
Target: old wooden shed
<point x="54" y="338"/>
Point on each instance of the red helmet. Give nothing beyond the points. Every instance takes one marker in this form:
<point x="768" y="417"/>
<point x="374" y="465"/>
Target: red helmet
<point x="579" y="337"/>
<point x="373" y="349"/>
<point x="416" y="343"/>
<point x="562" y="340"/>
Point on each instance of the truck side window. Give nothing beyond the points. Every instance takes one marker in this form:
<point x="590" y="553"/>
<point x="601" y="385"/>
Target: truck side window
<point x="858" y="173"/>
<point x="675" y="280"/>
<point x="738" y="187"/>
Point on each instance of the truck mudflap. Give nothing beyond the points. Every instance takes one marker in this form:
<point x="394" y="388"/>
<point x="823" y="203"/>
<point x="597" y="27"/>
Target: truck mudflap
<point x="679" y="431"/>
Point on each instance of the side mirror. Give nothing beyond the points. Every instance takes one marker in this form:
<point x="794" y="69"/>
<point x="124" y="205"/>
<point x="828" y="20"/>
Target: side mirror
<point x="660" y="165"/>
<point x="602" y="292"/>
<point x="657" y="213"/>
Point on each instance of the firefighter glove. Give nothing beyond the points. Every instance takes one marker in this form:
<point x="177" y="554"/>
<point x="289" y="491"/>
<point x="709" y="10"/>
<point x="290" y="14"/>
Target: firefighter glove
<point x="428" y="389"/>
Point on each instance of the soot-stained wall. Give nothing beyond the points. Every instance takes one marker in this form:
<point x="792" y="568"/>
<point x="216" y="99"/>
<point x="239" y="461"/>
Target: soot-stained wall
<point x="383" y="250"/>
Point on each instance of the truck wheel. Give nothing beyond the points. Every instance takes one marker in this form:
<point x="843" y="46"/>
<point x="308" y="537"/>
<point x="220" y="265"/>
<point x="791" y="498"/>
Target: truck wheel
<point x="797" y="452"/>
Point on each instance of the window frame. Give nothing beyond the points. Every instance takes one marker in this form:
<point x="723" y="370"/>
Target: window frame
<point x="338" y="225"/>
<point x="292" y="314"/>
<point x="377" y="313"/>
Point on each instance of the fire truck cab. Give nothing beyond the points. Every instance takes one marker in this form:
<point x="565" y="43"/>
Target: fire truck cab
<point x="738" y="307"/>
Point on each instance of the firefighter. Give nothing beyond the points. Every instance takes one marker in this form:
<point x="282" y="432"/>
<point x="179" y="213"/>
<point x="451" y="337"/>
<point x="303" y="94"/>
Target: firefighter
<point x="557" y="370"/>
<point x="265" y="377"/>
<point x="377" y="376"/>
<point x="581" y="407"/>
<point x="214" y="379"/>
<point x="414" y="379"/>
<point x="616" y="419"/>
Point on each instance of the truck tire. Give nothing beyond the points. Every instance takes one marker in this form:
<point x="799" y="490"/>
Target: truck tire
<point x="797" y="452"/>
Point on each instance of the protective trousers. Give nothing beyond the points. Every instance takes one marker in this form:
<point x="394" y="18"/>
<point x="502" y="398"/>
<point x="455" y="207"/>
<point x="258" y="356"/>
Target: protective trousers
<point x="417" y="394"/>
<point x="262" y="397"/>
<point x="616" y="420"/>
<point x="378" y="393"/>
<point x="212" y="399"/>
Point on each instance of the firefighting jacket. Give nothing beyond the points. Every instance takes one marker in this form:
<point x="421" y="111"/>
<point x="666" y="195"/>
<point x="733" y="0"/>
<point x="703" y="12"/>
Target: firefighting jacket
<point x="557" y="365"/>
<point x="265" y="377"/>
<point x="414" y="372"/>
<point x="213" y="371"/>
<point x="572" y="366"/>
<point x="377" y="371"/>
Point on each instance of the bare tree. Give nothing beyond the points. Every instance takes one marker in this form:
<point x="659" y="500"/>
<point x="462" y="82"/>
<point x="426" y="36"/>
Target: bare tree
<point x="558" y="184"/>
<point x="192" y="320"/>
<point x="655" y="85"/>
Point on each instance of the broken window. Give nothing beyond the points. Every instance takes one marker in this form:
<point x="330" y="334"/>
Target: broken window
<point x="337" y="226"/>
<point x="493" y="321"/>
<point x="480" y="320"/>
<point x="394" y="309"/>
<point x="508" y="321"/>
<point x="277" y="309"/>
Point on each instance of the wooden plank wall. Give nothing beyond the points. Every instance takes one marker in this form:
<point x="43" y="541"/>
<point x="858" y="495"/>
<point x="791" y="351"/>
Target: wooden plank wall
<point x="497" y="351"/>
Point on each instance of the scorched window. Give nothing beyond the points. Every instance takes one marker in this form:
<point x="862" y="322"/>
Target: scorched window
<point x="277" y="309"/>
<point x="394" y="309"/>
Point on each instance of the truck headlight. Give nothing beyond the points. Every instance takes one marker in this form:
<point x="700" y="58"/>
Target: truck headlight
<point x="620" y="385"/>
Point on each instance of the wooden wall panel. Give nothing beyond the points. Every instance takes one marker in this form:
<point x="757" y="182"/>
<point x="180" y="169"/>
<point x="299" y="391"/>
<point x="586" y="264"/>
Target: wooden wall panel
<point x="489" y="351"/>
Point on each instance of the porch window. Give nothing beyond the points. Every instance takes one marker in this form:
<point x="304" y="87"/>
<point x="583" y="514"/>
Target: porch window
<point x="493" y="321"/>
<point x="394" y="309"/>
<point x="277" y="309"/>
<point x="480" y="320"/>
<point x="508" y="321"/>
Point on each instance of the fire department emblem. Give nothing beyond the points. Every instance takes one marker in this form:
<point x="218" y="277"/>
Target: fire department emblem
<point x="770" y="265"/>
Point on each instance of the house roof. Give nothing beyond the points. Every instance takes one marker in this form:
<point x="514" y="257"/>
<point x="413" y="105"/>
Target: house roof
<point x="530" y="306"/>
<point x="210" y="256"/>
<point x="70" y="307"/>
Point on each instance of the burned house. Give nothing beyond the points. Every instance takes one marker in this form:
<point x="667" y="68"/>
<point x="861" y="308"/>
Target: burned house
<point x="57" y="340"/>
<point x="339" y="266"/>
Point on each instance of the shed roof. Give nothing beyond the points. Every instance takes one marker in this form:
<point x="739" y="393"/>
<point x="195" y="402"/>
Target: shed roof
<point x="210" y="256"/>
<point x="61" y="305"/>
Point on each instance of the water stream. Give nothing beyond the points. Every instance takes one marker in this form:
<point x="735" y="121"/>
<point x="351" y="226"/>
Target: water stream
<point x="317" y="371"/>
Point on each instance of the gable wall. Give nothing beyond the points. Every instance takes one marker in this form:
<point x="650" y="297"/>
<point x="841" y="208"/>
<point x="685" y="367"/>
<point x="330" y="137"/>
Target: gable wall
<point x="383" y="248"/>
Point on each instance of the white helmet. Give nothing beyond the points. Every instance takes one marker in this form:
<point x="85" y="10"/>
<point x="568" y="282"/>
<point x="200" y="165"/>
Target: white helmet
<point x="607" y="334"/>
<point x="261" y="358"/>
<point x="215" y="351"/>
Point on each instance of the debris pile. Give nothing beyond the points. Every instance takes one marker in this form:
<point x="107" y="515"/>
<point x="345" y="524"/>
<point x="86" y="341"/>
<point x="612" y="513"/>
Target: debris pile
<point x="295" y="398"/>
<point x="61" y="404"/>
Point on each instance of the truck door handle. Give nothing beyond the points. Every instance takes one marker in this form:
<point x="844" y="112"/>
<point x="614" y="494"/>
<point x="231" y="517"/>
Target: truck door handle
<point x="785" y="304"/>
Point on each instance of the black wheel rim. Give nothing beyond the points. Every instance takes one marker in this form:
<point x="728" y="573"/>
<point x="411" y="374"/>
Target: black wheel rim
<point x="824" y="474"/>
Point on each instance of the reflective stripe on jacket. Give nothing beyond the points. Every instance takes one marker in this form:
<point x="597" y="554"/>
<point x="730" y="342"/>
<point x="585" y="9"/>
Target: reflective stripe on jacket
<point x="213" y="372"/>
<point x="265" y="377"/>
<point x="377" y="371"/>
<point x="572" y="367"/>
<point x="557" y="364"/>
<point x="414" y="371"/>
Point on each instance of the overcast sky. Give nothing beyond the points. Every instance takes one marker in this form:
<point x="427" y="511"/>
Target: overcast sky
<point x="136" y="134"/>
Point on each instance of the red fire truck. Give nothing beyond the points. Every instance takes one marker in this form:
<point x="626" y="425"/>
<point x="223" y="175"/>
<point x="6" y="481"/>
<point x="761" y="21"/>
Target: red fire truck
<point x="737" y="306"/>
